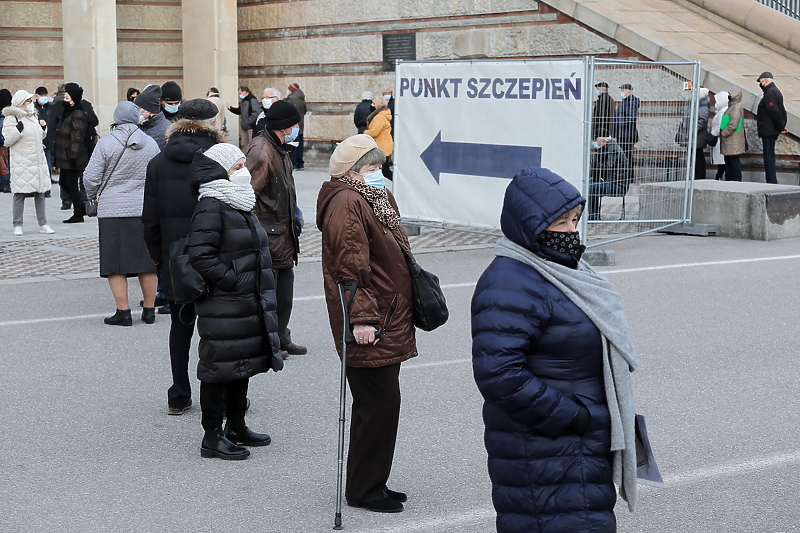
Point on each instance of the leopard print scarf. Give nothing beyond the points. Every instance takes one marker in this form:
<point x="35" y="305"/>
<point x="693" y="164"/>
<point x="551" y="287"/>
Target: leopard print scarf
<point x="378" y="199"/>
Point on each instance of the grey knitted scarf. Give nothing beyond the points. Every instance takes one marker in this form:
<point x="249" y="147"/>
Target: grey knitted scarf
<point x="241" y="197"/>
<point x="596" y="297"/>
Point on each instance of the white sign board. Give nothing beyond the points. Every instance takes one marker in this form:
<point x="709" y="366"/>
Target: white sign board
<point x="464" y="128"/>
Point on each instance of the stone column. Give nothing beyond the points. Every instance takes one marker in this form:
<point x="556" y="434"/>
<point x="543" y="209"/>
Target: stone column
<point x="90" y="53"/>
<point x="211" y="53"/>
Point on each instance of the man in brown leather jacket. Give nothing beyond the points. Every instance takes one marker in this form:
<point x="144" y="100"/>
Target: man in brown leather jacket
<point x="276" y="201"/>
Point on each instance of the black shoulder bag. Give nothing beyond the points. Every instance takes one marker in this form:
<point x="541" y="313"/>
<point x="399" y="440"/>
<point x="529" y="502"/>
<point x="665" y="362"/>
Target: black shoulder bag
<point x="430" y="307"/>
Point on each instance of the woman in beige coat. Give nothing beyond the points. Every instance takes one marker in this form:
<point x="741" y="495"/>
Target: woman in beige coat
<point x="731" y="129"/>
<point x="30" y="173"/>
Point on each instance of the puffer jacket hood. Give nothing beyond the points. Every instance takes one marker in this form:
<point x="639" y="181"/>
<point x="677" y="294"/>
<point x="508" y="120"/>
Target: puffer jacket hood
<point x="534" y="199"/>
<point x="735" y="96"/>
<point x="185" y="137"/>
<point x="722" y="99"/>
<point x="204" y="170"/>
<point x="130" y="134"/>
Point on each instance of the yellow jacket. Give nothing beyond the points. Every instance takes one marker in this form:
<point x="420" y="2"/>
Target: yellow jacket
<point x="380" y="129"/>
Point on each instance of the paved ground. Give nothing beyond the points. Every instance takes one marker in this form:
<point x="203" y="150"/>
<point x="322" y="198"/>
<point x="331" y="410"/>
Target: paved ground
<point x="86" y="446"/>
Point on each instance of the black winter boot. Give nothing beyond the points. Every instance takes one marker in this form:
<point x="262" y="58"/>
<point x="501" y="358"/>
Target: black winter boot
<point x="148" y="315"/>
<point x="216" y="445"/>
<point x="121" y="318"/>
<point x="241" y="434"/>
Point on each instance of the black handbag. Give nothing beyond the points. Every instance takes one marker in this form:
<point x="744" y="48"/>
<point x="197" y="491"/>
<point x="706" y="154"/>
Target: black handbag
<point x="187" y="283"/>
<point x="430" y="306"/>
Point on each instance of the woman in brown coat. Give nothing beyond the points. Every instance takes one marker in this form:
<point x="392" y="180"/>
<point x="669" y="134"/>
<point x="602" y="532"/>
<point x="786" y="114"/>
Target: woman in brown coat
<point x="361" y="241"/>
<point x="731" y="138"/>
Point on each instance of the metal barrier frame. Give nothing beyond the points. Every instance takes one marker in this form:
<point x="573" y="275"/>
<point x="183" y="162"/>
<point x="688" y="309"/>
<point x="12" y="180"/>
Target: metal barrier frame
<point x="591" y="63"/>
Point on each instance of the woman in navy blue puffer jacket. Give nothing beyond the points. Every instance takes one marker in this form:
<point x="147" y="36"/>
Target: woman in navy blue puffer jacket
<point x="538" y="361"/>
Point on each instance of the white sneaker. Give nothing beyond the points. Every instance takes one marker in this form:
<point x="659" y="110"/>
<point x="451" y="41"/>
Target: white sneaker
<point x="17" y="231"/>
<point x="46" y="229"/>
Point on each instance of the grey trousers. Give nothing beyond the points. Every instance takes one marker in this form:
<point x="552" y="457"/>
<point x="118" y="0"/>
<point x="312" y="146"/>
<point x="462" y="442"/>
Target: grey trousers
<point x="19" y="207"/>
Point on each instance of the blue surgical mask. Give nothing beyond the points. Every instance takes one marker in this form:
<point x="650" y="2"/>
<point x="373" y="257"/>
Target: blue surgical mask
<point x="622" y="95"/>
<point x="43" y="100"/>
<point x="170" y="108"/>
<point x="595" y="145"/>
<point x="387" y="96"/>
<point x="292" y="136"/>
<point x="374" y="179"/>
<point x="241" y="96"/>
<point x="597" y="92"/>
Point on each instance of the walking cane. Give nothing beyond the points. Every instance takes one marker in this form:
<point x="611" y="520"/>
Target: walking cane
<point x="347" y="290"/>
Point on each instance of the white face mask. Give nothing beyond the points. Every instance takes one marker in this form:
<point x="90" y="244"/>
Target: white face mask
<point x="30" y="109"/>
<point x="266" y="102"/>
<point x="241" y="177"/>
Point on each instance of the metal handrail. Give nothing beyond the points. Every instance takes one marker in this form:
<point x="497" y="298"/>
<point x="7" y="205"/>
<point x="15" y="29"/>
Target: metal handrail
<point x="787" y="7"/>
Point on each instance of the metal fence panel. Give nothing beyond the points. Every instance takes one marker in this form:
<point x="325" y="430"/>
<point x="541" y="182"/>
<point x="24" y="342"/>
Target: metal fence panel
<point x="787" y="7"/>
<point x="655" y="192"/>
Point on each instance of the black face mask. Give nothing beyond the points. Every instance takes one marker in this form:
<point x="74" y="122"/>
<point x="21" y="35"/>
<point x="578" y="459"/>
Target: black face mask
<point x="565" y="242"/>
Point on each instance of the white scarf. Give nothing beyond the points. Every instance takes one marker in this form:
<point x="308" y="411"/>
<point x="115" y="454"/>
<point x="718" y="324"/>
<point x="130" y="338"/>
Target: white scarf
<point x="596" y="297"/>
<point x="241" y="197"/>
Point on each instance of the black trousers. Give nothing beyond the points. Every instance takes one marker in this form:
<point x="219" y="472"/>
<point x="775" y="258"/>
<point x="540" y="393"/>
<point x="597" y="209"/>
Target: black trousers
<point x="71" y="181"/>
<point x="733" y="168"/>
<point x="373" y="431"/>
<point x="219" y="399"/>
<point x="699" y="164"/>
<point x="296" y="155"/>
<point x="180" y="341"/>
<point x="627" y="149"/>
<point x="284" y="294"/>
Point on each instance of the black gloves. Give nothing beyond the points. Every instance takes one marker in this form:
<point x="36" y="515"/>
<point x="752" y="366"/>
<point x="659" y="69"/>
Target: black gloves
<point x="581" y="421"/>
<point x="20" y="126"/>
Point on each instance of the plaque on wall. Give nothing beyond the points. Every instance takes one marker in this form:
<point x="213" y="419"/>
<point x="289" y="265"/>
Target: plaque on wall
<point x="398" y="46"/>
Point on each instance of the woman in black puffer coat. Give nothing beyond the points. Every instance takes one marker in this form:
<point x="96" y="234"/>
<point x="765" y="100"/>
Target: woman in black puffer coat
<point x="237" y="320"/>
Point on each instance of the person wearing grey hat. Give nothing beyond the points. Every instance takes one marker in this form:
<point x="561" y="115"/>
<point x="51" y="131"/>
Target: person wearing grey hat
<point x="153" y="123"/>
<point x="115" y="179"/>
<point x="771" y="120"/>
<point x="167" y="216"/>
<point x="276" y="206"/>
<point x="602" y="110"/>
<point x="363" y="241"/>
<point x="198" y="109"/>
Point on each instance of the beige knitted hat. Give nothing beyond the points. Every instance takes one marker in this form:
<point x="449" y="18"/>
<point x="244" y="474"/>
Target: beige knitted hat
<point x="348" y="153"/>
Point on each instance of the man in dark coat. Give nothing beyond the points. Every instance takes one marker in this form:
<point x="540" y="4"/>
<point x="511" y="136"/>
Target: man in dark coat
<point x="603" y="109"/>
<point x="276" y="201"/>
<point x="624" y="124"/>
<point x="167" y="216"/>
<point x="43" y="111"/>
<point x="609" y="172"/>
<point x="155" y="123"/>
<point x="363" y="111"/>
<point x="771" y="121"/>
<point x="297" y="98"/>
<point x="248" y="109"/>
<point x="171" y="98"/>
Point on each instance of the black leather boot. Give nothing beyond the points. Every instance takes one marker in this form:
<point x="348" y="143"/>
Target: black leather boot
<point x="241" y="434"/>
<point x="121" y="318"/>
<point x="215" y="444"/>
<point x="148" y="315"/>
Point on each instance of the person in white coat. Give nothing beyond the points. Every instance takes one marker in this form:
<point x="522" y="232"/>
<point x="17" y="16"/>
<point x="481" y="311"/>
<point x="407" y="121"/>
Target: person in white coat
<point x="716" y="155"/>
<point x="30" y="173"/>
